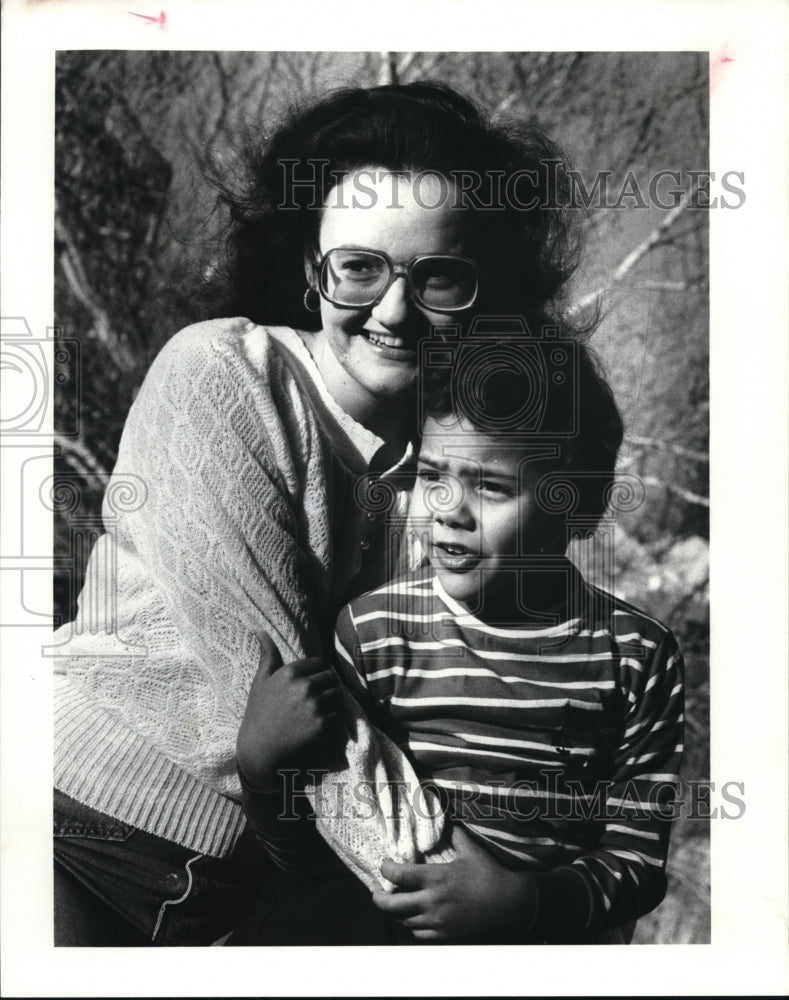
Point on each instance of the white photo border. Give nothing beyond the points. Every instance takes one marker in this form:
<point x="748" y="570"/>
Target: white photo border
<point x="748" y="48"/>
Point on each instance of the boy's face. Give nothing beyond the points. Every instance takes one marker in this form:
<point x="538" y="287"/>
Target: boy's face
<point x="474" y="509"/>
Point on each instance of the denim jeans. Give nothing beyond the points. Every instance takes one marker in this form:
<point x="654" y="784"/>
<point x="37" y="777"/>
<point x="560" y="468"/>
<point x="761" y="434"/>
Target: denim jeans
<point x="117" y="885"/>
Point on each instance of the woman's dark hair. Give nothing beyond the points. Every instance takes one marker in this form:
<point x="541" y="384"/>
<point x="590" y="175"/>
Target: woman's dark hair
<point x="537" y="391"/>
<point x="415" y="127"/>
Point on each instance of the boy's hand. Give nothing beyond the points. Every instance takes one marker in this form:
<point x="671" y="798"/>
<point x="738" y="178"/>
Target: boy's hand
<point x="289" y="708"/>
<point x="469" y="897"/>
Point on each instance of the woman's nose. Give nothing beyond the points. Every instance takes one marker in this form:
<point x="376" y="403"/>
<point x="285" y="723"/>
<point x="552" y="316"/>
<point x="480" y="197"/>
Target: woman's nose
<point x="394" y="307"/>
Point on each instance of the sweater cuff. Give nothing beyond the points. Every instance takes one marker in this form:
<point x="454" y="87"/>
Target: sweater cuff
<point x="284" y="829"/>
<point x="273" y="814"/>
<point x="564" y="906"/>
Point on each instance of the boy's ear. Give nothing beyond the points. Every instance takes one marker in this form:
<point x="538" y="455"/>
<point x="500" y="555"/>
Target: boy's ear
<point x="548" y="535"/>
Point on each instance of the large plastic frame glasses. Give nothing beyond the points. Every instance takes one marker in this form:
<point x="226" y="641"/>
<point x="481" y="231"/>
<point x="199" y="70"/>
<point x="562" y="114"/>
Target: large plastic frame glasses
<point x="362" y="292"/>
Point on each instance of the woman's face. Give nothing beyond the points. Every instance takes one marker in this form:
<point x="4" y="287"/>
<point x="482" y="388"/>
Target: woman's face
<point x="376" y="347"/>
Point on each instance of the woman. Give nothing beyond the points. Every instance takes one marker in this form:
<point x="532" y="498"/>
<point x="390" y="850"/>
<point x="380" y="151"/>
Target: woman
<point x="371" y="218"/>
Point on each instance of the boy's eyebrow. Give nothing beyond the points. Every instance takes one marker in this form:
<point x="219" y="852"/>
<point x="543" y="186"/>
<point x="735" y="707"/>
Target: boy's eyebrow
<point x="464" y="467"/>
<point x="433" y="460"/>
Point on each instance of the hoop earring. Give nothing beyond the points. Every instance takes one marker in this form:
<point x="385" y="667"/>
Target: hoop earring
<point x="311" y="304"/>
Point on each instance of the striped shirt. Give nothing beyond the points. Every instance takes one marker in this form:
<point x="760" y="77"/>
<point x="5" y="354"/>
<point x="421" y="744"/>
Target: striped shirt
<point x="559" y="746"/>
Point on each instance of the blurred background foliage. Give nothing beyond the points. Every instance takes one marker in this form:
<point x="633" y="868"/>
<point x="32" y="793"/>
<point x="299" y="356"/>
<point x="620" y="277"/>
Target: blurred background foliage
<point x="138" y="234"/>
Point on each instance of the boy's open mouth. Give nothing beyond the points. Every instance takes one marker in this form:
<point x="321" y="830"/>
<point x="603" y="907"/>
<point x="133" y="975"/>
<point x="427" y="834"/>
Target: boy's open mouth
<point x="458" y="558"/>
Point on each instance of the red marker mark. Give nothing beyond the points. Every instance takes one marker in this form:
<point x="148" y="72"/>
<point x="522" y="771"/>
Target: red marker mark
<point x="717" y="62"/>
<point x="161" y="20"/>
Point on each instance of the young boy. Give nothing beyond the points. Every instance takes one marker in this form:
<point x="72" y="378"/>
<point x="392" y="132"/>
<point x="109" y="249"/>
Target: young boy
<point x="546" y="712"/>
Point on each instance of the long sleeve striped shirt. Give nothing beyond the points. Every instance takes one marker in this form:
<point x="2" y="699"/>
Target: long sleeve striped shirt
<point x="558" y="747"/>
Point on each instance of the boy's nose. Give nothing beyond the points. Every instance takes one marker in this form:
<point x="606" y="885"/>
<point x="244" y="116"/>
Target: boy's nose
<point x="456" y="512"/>
<point x="394" y="307"/>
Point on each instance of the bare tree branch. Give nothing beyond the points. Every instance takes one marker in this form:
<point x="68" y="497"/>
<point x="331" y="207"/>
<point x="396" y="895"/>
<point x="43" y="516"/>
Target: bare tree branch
<point x="691" y="596"/>
<point x="313" y="65"/>
<point x="80" y="286"/>
<point x="224" y="106"/>
<point x="665" y="286"/>
<point x="387" y="73"/>
<point x="266" y="88"/>
<point x="428" y="65"/>
<point x="297" y="77"/>
<point x="655" y="238"/>
<point x="78" y="455"/>
<point x="672" y="286"/>
<point x="677" y="491"/>
<point x="674" y="449"/>
<point x="405" y="64"/>
<point x="505" y="104"/>
<point x="641" y="141"/>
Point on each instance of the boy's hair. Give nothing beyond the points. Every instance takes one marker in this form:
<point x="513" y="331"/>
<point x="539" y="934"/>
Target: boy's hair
<point x="517" y="393"/>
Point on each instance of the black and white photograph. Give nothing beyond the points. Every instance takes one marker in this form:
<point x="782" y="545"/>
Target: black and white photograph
<point x="364" y="500"/>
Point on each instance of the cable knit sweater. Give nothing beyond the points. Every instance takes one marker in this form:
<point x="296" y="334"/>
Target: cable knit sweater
<point x="231" y="511"/>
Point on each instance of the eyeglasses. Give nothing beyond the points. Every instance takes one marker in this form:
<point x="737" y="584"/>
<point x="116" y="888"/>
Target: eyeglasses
<point x="360" y="278"/>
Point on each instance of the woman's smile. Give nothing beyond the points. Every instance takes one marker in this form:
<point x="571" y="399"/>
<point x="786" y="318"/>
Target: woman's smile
<point x="392" y="346"/>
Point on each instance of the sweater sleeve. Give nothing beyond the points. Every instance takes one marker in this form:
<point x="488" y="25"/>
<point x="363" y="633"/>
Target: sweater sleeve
<point x="624" y="877"/>
<point x="217" y="546"/>
<point x="282" y="822"/>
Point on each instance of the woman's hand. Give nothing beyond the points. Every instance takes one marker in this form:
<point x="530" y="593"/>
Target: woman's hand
<point x="471" y="897"/>
<point x="290" y="708"/>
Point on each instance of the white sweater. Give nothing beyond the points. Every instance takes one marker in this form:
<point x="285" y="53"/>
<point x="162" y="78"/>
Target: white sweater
<point x="238" y="516"/>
